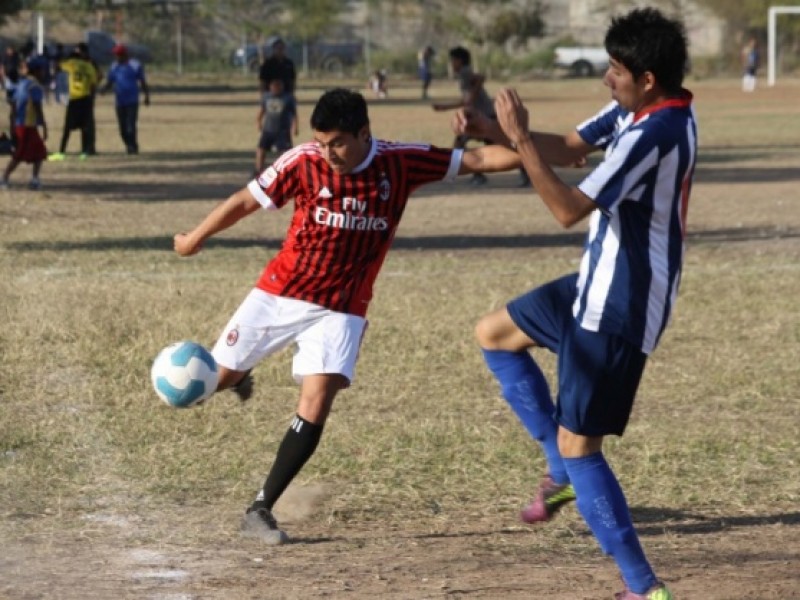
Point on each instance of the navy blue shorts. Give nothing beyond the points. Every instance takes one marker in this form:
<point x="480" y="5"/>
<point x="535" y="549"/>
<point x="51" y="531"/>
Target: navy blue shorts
<point x="598" y="373"/>
<point x="281" y="141"/>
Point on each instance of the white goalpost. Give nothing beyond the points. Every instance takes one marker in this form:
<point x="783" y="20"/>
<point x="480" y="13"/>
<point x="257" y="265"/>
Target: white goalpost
<point x="773" y="13"/>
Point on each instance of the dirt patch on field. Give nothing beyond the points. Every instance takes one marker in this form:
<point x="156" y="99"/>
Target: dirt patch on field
<point x="724" y="557"/>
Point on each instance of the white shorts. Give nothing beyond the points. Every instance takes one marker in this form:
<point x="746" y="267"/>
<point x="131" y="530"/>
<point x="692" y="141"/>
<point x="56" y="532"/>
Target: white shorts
<point x="326" y="341"/>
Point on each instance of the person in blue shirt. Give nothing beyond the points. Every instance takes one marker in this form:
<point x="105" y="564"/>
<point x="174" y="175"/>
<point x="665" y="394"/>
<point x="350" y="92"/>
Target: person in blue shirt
<point x="28" y="118"/>
<point x="605" y="320"/>
<point x="126" y="77"/>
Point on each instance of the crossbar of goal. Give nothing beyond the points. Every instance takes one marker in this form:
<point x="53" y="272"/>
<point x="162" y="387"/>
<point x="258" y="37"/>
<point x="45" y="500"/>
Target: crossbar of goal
<point x="772" y="18"/>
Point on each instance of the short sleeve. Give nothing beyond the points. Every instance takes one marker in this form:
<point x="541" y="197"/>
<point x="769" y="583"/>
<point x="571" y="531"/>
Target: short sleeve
<point x="279" y="183"/>
<point x="599" y="130"/>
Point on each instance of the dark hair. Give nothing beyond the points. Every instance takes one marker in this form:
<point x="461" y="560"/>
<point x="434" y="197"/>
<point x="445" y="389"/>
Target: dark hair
<point x="462" y="54"/>
<point x="340" y="110"/>
<point x="645" y="40"/>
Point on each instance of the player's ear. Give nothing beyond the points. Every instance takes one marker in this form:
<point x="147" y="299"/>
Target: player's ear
<point x="648" y="81"/>
<point x="364" y="134"/>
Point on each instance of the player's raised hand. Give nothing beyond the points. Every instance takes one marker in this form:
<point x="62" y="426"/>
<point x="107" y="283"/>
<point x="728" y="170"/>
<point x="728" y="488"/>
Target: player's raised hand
<point x="512" y="115"/>
<point x="474" y="124"/>
<point x="185" y="244"/>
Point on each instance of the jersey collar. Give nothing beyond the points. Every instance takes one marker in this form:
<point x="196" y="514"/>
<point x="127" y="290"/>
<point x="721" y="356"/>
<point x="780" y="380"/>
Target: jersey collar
<point x="373" y="148"/>
<point x="682" y="101"/>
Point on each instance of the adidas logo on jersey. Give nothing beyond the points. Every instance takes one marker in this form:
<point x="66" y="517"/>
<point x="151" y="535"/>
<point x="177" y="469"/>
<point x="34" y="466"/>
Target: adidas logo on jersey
<point x="325" y="193"/>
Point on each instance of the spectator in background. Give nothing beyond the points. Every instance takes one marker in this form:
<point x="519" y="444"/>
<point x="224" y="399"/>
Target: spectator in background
<point x="424" y="59"/>
<point x="277" y="120"/>
<point x="60" y="78"/>
<point x="28" y="49"/>
<point x="10" y="70"/>
<point x="28" y="117"/>
<point x="474" y="98"/>
<point x="83" y="80"/>
<point x="750" y="62"/>
<point x="278" y="66"/>
<point x="126" y="77"/>
<point x="84" y="48"/>
<point x="9" y="76"/>
<point x="378" y="83"/>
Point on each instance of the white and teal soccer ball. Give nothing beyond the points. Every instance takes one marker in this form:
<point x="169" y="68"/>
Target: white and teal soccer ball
<point x="183" y="374"/>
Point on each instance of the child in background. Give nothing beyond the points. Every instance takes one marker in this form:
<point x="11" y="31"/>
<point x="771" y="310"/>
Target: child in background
<point x="277" y="120"/>
<point x="378" y="83"/>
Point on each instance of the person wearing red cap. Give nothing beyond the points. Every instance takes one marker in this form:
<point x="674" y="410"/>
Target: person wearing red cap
<point x="126" y="77"/>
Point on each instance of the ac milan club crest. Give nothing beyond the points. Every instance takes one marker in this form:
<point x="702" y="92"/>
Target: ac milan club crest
<point x="384" y="189"/>
<point x="233" y="337"/>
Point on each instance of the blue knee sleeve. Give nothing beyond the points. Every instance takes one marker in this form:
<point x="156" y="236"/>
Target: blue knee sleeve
<point x="525" y="389"/>
<point x="602" y="504"/>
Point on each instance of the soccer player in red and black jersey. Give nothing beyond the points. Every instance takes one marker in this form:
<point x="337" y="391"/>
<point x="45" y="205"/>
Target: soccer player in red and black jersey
<point x="349" y="191"/>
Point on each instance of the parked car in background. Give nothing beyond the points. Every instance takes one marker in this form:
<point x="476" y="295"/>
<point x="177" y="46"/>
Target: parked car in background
<point x="581" y="61"/>
<point x="101" y="45"/>
<point x="328" y="57"/>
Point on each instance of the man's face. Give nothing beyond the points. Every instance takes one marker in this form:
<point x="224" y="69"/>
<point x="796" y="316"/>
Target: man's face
<point x="343" y="151"/>
<point x="630" y="93"/>
<point x="278" y="49"/>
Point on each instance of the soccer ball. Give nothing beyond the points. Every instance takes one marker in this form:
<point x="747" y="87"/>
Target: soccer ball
<point x="183" y="374"/>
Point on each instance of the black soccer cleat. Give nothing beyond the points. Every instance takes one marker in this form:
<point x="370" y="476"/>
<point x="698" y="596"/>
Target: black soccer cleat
<point x="260" y="523"/>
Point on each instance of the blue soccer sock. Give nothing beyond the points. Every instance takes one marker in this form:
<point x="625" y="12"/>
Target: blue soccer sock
<point x="525" y="389"/>
<point x="601" y="502"/>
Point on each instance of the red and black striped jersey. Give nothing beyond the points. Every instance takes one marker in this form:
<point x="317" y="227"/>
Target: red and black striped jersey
<point x="343" y="224"/>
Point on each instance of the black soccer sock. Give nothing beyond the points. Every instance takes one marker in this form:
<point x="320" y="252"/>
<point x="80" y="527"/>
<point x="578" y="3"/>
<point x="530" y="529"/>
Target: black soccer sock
<point x="296" y="448"/>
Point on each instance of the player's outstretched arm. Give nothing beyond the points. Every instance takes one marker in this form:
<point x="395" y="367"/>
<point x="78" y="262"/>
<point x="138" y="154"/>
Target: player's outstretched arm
<point x="489" y="159"/>
<point x="225" y="215"/>
<point x="562" y="150"/>
<point x="556" y="149"/>
<point x="568" y="204"/>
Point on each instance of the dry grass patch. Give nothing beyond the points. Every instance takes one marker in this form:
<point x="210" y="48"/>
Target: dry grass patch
<point x="91" y="291"/>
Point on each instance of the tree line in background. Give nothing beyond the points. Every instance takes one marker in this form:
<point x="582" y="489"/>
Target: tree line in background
<point x="211" y="28"/>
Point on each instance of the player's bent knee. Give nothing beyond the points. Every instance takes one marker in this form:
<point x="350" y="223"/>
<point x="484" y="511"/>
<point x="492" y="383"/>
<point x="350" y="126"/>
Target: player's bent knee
<point x="496" y="331"/>
<point x="574" y="445"/>
<point x="486" y="333"/>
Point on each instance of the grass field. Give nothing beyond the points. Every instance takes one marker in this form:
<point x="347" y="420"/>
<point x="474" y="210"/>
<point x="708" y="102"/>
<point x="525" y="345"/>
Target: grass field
<point x="414" y="492"/>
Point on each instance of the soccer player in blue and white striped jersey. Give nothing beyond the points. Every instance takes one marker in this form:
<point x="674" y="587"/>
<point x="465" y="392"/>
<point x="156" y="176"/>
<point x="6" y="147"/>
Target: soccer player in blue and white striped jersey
<point x="604" y="320"/>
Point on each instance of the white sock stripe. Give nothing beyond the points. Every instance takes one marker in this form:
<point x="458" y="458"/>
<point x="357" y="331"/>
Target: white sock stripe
<point x="297" y="424"/>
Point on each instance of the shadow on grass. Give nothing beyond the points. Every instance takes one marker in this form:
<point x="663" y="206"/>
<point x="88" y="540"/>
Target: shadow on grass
<point x="232" y="170"/>
<point x="733" y="174"/>
<point x="654" y="521"/>
<point x="115" y="191"/>
<point x="650" y="521"/>
<point x="416" y="243"/>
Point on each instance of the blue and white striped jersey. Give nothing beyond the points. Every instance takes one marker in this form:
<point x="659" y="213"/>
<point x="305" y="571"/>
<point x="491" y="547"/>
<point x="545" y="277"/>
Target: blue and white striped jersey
<point x="631" y="266"/>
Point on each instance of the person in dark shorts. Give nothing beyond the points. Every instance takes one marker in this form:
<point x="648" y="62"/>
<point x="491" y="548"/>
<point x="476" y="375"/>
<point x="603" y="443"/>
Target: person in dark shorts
<point x="277" y="120"/>
<point x="604" y="321"/>
<point x="83" y="79"/>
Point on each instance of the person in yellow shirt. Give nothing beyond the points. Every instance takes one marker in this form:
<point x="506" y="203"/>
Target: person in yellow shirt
<point x="83" y="79"/>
